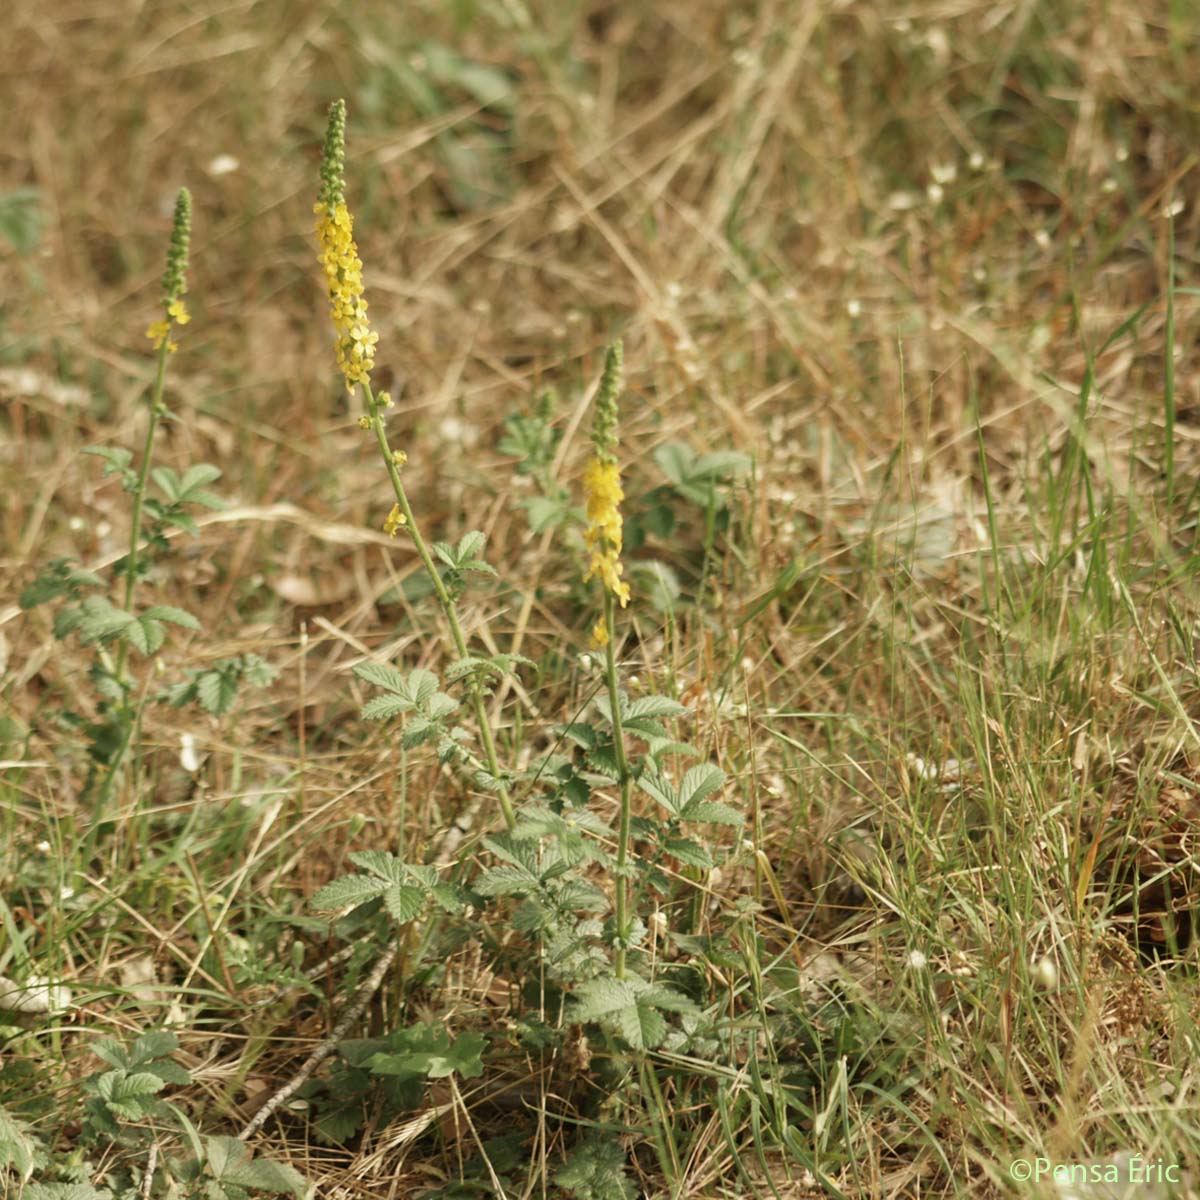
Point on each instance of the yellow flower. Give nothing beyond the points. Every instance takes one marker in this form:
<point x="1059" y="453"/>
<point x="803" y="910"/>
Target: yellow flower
<point x="602" y="488"/>
<point x="177" y="311"/>
<point x="355" y="344"/>
<point x="394" y="520"/>
<point x="157" y="332"/>
<point x="600" y="634"/>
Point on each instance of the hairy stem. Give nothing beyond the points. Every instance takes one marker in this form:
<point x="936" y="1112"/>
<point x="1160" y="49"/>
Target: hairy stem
<point x="626" y="782"/>
<point x="444" y="599"/>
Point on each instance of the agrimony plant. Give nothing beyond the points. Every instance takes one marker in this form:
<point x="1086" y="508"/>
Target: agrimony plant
<point x="104" y="613"/>
<point x="577" y="892"/>
<point x="354" y="349"/>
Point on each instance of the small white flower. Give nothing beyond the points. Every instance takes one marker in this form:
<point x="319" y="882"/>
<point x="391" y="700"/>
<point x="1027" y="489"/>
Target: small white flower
<point x="65" y="892"/>
<point x="853" y="309"/>
<point x="944" y="172"/>
<point x="936" y="193"/>
<point x="189" y="760"/>
<point x="901" y="201"/>
<point x="1174" y="208"/>
<point x="585" y="661"/>
<point x="976" y="161"/>
<point x="1122" y="154"/>
<point x="1109" y="186"/>
<point x="917" y="960"/>
<point x="223" y="164"/>
<point x="44" y="847"/>
<point x="75" y="524"/>
<point x="1045" y="973"/>
<point x="1043" y="239"/>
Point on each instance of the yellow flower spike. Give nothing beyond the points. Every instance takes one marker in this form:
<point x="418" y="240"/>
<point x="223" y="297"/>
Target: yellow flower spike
<point x="364" y="422"/>
<point x="394" y="520"/>
<point x="354" y="347"/>
<point x="399" y="457"/>
<point x="602" y="487"/>
<point x="599" y="634"/>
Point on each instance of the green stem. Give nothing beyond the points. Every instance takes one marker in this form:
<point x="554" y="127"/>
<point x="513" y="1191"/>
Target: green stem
<point x="139" y="495"/>
<point x="444" y="599"/>
<point x="131" y="568"/>
<point x="625" y="780"/>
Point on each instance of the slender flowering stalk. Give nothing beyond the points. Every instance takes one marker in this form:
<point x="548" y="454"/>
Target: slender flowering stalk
<point x="354" y="349"/>
<point x="174" y="313"/>
<point x="603" y="496"/>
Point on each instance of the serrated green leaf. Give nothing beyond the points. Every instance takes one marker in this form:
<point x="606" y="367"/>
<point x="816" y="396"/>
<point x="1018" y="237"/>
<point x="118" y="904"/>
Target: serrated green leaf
<point x="100" y="618"/>
<point x="18" y="1146"/>
<point x="641" y="1026"/>
<point x="477" y="565"/>
<point x="382" y="676"/>
<point x="196" y="476"/>
<point x="595" y="1170"/>
<point x="158" y="1043"/>
<point x="421" y="684"/>
<point x="700" y="782"/>
<point x="655" y="706"/>
<point x="579" y="733"/>
<point x="659" y="787"/>
<point x="418" y="730"/>
<point x="504" y="881"/>
<point x="720" y="463"/>
<point x="144" y="635"/>
<point x="382" y="864"/>
<point x="171" y="1072"/>
<point x="167" y="482"/>
<point x="59" y="578"/>
<point x="112" y="1052"/>
<point x="120" y="1087"/>
<point x="644" y="727"/>
<point x="404" y="903"/>
<point x="172" y="615"/>
<point x="712" y="812"/>
<point x="601" y="997"/>
<point x="688" y="852"/>
<point x="266" y="1175"/>
<point x="578" y="895"/>
<point x="382" y="707"/>
<point x="230" y="1162"/>
<point x="470" y="545"/>
<point x="347" y="892"/>
<point x="470" y="665"/>
<point x="116" y="458"/>
<point x="216" y="692"/>
<point x="64" y="1191"/>
<point x="518" y="854"/>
